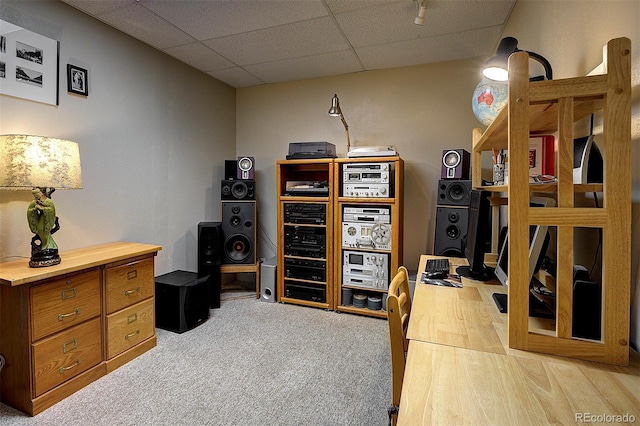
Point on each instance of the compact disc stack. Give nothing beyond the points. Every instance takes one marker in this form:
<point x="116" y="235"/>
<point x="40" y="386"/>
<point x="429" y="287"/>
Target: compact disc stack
<point x="374" y="303"/>
<point x="360" y="300"/>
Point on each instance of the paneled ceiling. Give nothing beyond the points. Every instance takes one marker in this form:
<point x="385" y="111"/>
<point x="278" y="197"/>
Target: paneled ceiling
<point x="252" y="42"/>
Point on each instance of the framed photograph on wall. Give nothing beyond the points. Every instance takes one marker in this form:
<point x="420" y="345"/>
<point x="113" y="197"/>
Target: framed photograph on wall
<point x="28" y="64"/>
<point x="77" y="80"/>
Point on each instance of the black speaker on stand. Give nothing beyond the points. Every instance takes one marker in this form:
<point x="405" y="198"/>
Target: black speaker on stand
<point x="239" y="232"/>
<point x="210" y="258"/>
<point x="451" y="229"/>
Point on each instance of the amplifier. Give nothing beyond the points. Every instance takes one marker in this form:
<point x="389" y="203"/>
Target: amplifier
<point x="312" y="270"/>
<point x="366" y="190"/>
<point x="308" y="214"/>
<point x="304" y="236"/>
<point x="366" y="270"/>
<point x="305" y="292"/>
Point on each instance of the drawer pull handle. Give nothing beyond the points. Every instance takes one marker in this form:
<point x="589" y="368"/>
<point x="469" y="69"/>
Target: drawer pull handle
<point x="63" y="369"/>
<point x="132" y="274"/>
<point x="69" y="293"/>
<point x="63" y="316"/>
<point x="132" y="318"/>
<point x="128" y="292"/>
<point x="129" y="336"/>
<point x="69" y="346"/>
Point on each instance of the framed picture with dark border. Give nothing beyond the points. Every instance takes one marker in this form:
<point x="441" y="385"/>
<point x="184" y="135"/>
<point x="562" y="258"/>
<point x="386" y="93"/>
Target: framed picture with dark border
<point x="77" y="80"/>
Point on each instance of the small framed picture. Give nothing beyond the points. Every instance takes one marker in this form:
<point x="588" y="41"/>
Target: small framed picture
<point x="77" y="80"/>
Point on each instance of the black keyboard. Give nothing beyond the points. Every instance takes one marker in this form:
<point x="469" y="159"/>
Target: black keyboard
<point x="437" y="265"/>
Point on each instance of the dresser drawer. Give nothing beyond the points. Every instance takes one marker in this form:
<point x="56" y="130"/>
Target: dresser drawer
<point x="66" y="355"/>
<point x="129" y="284"/>
<point x="62" y="303"/>
<point x="127" y="328"/>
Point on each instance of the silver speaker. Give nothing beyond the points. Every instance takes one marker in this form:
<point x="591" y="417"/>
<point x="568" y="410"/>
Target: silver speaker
<point x="268" y="280"/>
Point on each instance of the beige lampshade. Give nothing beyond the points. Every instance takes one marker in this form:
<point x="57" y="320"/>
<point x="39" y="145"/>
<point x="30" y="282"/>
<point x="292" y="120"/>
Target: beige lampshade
<point x="28" y="162"/>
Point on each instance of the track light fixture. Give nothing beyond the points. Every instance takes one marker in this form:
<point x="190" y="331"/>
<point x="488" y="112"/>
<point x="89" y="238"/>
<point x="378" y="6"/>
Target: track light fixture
<point x="422" y="10"/>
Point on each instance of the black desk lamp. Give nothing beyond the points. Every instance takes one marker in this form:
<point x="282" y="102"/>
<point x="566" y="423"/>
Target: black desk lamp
<point x="496" y="67"/>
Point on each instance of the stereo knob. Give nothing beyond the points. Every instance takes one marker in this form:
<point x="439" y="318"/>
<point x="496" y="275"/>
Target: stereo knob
<point x="383" y="191"/>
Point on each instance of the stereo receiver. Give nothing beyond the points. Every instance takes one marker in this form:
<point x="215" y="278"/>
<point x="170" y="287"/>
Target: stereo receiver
<point x="365" y="270"/>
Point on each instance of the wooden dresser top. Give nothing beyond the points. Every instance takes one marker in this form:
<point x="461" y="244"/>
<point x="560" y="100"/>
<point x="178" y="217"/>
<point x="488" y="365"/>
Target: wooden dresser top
<point x="18" y="272"/>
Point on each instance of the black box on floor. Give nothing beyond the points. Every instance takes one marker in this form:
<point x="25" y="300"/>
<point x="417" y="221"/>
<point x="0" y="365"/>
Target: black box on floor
<point x="182" y="301"/>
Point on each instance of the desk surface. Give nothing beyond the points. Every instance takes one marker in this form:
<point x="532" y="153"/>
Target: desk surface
<point x="460" y="369"/>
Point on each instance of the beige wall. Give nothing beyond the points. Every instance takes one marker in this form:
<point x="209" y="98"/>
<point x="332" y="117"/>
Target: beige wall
<point x="420" y="110"/>
<point x="153" y="135"/>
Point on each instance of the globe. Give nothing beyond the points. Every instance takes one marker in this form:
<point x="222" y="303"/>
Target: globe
<point x="489" y="98"/>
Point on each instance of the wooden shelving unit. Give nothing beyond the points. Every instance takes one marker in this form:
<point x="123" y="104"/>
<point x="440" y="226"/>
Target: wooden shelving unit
<point x="300" y="285"/>
<point x="395" y="255"/>
<point x="554" y="106"/>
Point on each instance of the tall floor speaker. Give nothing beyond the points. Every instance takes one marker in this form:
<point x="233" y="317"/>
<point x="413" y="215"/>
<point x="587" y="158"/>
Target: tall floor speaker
<point x="239" y="232"/>
<point x="451" y="229"/>
<point x="210" y="258"/>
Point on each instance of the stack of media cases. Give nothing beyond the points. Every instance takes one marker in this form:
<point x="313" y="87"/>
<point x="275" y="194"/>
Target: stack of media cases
<point x="366" y="235"/>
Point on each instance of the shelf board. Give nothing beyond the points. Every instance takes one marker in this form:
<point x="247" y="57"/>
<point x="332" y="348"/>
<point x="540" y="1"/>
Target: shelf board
<point x="304" y="302"/>
<point x="548" y="187"/>
<point x="295" y="198"/>
<point x="367" y="200"/>
<point x="362" y="311"/>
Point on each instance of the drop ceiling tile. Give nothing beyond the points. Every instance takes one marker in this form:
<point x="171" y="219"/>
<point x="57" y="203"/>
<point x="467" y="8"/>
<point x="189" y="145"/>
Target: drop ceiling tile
<point x="236" y="77"/>
<point x="282" y="42"/>
<point x="199" y="56"/>
<point x="209" y="19"/>
<point x="146" y="26"/>
<point x="342" y="6"/>
<point x="433" y="49"/>
<point x="323" y="65"/>
<point x="393" y="22"/>
<point x="93" y="7"/>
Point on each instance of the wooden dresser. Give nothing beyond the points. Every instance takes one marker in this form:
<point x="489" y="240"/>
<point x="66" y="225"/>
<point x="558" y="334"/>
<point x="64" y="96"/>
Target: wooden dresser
<point x="64" y="326"/>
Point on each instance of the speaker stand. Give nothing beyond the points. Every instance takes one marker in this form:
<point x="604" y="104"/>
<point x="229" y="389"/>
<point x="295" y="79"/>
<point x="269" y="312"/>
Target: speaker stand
<point x="255" y="268"/>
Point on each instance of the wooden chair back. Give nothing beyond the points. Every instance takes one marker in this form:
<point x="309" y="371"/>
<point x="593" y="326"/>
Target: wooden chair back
<point x="398" y="311"/>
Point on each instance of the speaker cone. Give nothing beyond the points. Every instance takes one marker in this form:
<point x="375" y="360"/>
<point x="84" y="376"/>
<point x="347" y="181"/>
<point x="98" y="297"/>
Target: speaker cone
<point x="457" y="192"/>
<point x="237" y="247"/>
<point x="239" y="190"/>
<point x="451" y="159"/>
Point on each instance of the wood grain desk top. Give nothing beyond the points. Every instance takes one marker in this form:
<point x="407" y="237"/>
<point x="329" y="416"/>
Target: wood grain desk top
<point x="465" y="317"/>
<point x="451" y="385"/>
<point x="460" y="369"/>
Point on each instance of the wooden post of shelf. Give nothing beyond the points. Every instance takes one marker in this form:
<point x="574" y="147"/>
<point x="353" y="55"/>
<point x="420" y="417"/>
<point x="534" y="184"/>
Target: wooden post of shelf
<point x="518" y="299"/>
<point x="565" y="249"/>
<point x="476" y="160"/>
<point x="616" y="244"/>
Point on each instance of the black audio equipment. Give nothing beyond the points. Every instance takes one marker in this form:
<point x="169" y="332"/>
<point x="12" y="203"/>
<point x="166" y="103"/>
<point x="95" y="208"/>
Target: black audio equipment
<point x="454" y="192"/>
<point x="587" y="305"/>
<point x="246" y="168"/>
<point x="230" y="169"/>
<point x="239" y="232"/>
<point x="587" y="161"/>
<point x="305" y="242"/>
<point x="455" y="164"/>
<point x="305" y="292"/>
<point x="238" y="190"/>
<point x="210" y="257"/>
<point x="268" y="286"/>
<point x="309" y="214"/>
<point x="311" y="270"/>
<point x="451" y="228"/>
<point x="181" y="301"/>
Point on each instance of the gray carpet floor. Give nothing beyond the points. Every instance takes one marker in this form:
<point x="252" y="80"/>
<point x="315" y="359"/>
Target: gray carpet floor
<point x="251" y="363"/>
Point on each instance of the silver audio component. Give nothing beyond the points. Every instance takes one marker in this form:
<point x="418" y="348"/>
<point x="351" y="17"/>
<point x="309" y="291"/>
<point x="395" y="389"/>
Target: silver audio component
<point x="367" y="227"/>
<point x="366" y="173"/>
<point x="365" y="270"/>
<point x="365" y="190"/>
<point x="367" y="214"/>
<point x="375" y="236"/>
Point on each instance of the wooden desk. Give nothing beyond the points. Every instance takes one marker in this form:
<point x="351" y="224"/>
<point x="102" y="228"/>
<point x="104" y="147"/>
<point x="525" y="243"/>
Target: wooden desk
<point x="461" y="371"/>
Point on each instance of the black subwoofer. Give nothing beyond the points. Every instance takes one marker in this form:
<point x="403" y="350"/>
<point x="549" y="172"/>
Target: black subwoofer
<point x="239" y="232"/>
<point x="182" y="301"/>
<point x="210" y="258"/>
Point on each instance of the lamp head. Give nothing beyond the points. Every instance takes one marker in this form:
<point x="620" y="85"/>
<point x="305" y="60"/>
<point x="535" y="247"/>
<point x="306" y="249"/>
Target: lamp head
<point x="496" y="68"/>
<point x="335" y="111"/>
<point x="421" y="12"/>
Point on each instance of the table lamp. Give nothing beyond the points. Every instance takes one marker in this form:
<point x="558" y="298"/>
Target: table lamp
<point x="42" y="165"/>
<point x="496" y="67"/>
